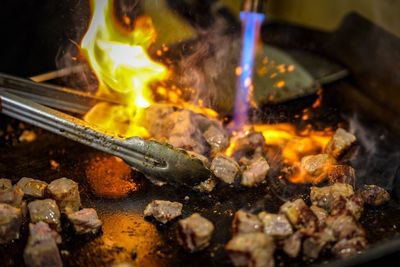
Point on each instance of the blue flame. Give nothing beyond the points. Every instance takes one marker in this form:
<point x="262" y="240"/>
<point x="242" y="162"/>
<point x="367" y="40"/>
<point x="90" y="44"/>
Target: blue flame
<point x="251" y="26"/>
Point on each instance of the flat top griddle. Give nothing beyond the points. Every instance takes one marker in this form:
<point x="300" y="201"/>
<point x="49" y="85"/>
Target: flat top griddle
<point x="126" y="232"/>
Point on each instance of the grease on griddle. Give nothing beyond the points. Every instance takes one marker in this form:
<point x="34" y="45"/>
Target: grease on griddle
<point x="110" y="177"/>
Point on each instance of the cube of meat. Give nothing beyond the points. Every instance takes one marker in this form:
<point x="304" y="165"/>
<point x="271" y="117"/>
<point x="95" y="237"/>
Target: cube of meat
<point x="344" y="174"/>
<point x="194" y="233"/>
<point x="374" y="195"/>
<point x="321" y="214"/>
<point x="292" y="244"/>
<point x="344" y="226"/>
<point x="340" y="143"/>
<point x="217" y="138"/>
<point x="275" y="225"/>
<point x="251" y="145"/>
<point x="163" y="211"/>
<point x="300" y="216"/>
<point x="316" y="167"/>
<point x="45" y="210"/>
<point x="85" y="221"/>
<point x="255" y="173"/>
<point x="10" y="194"/>
<point x="66" y="193"/>
<point x="324" y="196"/>
<point x="32" y="188"/>
<point x="224" y="168"/>
<point x="206" y="186"/>
<point x="10" y="223"/>
<point x="349" y="247"/>
<point x="42" y="230"/>
<point x="313" y="245"/>
<point x="42" y="250"/>
<point x="155" y="120"/>
<point x="353" y="205"/>
<point x="245" y="222"/>
<point x="251" y="250"/>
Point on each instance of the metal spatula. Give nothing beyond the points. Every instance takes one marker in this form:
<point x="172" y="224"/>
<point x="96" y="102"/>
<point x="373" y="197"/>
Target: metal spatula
<point x="153" y="159"/>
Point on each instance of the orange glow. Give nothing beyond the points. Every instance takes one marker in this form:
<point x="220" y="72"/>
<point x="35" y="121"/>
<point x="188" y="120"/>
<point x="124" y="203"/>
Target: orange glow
<point x="294" y="144"/>
<point x="124" y="70"/>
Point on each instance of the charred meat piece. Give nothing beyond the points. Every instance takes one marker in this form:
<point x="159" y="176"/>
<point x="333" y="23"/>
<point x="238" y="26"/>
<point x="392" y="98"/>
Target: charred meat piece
<point x="32" y="188"/>
<point x="349" y="247"/>
<point x="45" y="210"/>
<point x="184" y="132"/>
<point x="224" y="168"/>
<point x="340" y="143"/>
<point x="292" y="244"/>
<point x="155" y="120"/>
<point x="66" y="193"/>
<point x="255" y="172"/>
<point x="344" y="226"/>
<point x="194" y="233"/>
<point x="316" y="167"/>
<point x="85" y="221"/>
<point x="300" y="216"/>
<point x="163" y="211"/>
<point x="42" y="250"/>
<point x="353" y="205"/>
<point x="275" y="225"/>
<point x="344" y="174"/>
<point x="324" y="196"/>
<point x="206" y="186"/>
<point x="250" y="145"/>
<point x="10" y="223"/>
<point x="374" y="195"/>
<point x="313" y="245"/>
<point x="10" y="194"/>
<point x="251" y="250"/>
<point x="217" y="138"/>
<point x="321" y="214"/>
<point x="245" y="222"/>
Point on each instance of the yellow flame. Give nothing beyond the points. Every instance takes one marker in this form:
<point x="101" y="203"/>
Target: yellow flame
<point x="119" y="59"/>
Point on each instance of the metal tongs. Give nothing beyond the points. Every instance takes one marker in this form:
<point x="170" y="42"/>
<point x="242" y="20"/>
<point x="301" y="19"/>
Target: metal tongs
<point x="153" y="159"/>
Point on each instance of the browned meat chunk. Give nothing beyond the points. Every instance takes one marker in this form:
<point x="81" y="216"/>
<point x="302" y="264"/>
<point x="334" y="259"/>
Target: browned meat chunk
<point x="206" y="186"/>
<point x="85" y="221"/>
<point x="300" y="216"/>
<point x="32" y="188"/>
<point x="313" y="245"/>
<point x="324" y="196"/>
<point x="251" y="250"/>
<point x="374" y="195"/>
<point x="245" y="222"/>
<point x="10" y="223"/>
<point x="9" y="194"/>
<point x="340" y="143"/>
<point x="292" y="244"/>
<point x="163" y="211"/>
<point x="217" y="138"/>
<point x="344" y="226"/>
<point x="42" y="230"/>
<point x="255" y="172"/>
<point x="320" y="213"/>
<point x="66" y="193"/>
<point x="344" y="174"/>
<point x="195" y="232"/>
<point x="224" y="168"/>
<point x="353" y="205"/>
<point x="42" y="250"/>
<point x="349" y="247"/>
<point x="155" y="120"/>
<point x="316" y="167"/>
<point x="275" y="225"/>
<point x="250" y="145"/>
<point x="45" y="210"/>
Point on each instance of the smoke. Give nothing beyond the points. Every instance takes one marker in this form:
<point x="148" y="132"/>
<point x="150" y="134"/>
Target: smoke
<point x="208" y="71"/>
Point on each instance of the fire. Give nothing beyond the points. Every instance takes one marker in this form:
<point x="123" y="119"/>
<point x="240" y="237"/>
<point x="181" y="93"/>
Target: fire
<point x="293" y="144"/>
<point x="123" y="67"/>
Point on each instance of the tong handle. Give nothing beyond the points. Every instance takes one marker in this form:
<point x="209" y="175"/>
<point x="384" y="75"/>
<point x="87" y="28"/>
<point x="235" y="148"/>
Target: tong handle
<point x="149" y="157"/>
